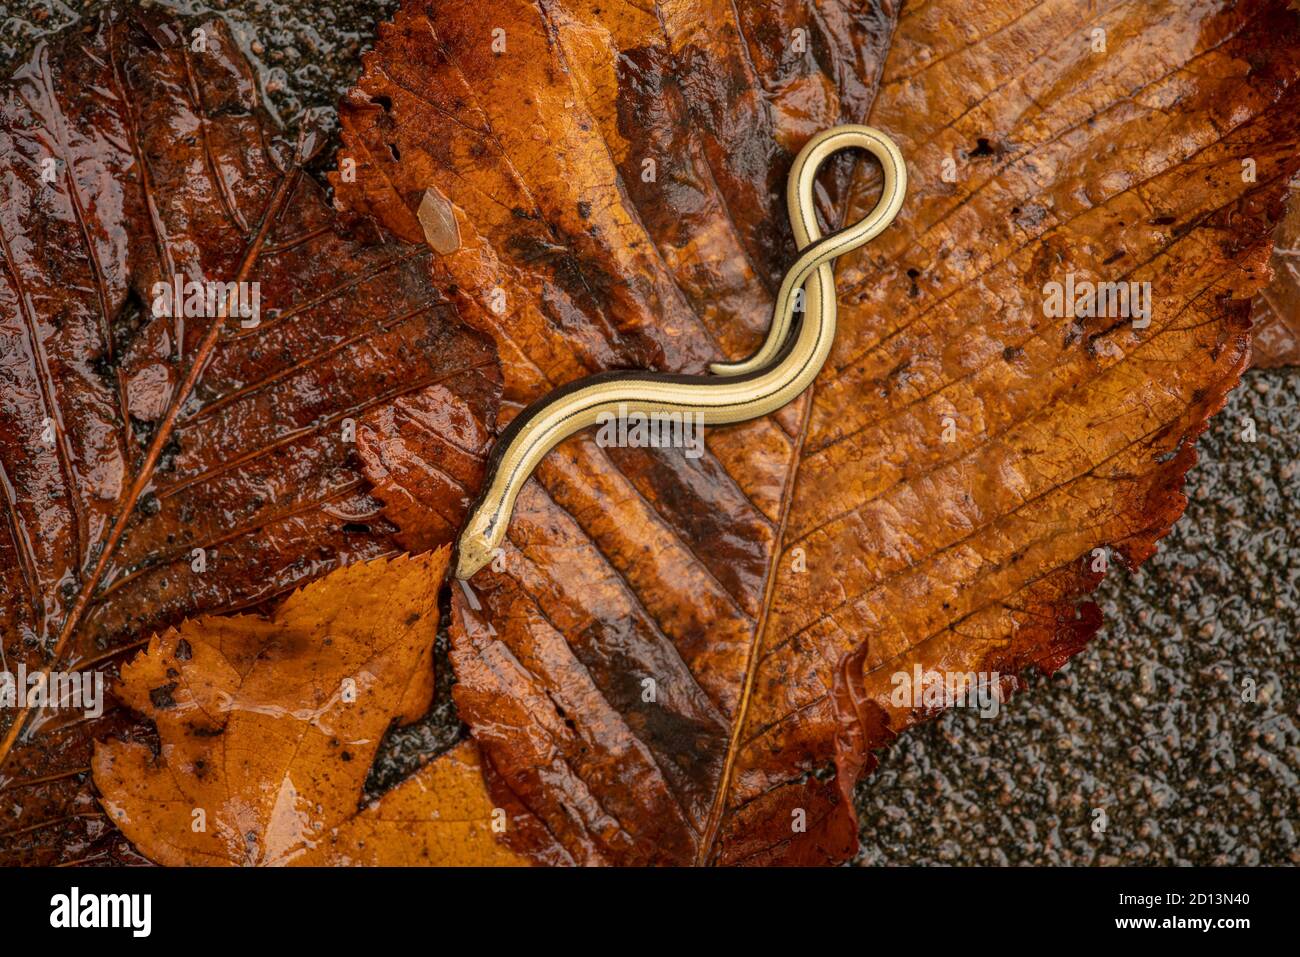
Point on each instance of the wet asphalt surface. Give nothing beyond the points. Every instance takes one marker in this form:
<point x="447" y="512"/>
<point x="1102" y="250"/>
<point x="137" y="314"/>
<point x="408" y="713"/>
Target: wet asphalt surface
<point x="1151" y="724"/>
<point x="1171" y="739"/>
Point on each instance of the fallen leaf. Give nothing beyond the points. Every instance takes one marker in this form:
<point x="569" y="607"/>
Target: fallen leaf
<point x="1276" y="314"/>
<point x="690" y="660"/>
<point x="156" y="465"/>
<point x="268" y="728"/>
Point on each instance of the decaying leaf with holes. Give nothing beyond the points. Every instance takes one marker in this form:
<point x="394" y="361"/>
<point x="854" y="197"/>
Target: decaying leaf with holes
<point x="169" y="447"/>
<point x="268" y="727"/>
<point x="690" y="660"/>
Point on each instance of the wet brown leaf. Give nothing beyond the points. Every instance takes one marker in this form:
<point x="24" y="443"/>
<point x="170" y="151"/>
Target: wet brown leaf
<point x="134" y="150"/>
<point x="269" y="726"/>
<point x="1276" y="314"/>
<point x="685" y="660"/>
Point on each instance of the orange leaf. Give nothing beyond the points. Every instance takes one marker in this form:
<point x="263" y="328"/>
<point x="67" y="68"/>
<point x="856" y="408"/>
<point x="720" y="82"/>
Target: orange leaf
<point x="690" y="660"/>
<point x="269" y="726"/>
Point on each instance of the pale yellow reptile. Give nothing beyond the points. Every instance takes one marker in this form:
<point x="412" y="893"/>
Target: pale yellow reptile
<point x="737" y="391"/>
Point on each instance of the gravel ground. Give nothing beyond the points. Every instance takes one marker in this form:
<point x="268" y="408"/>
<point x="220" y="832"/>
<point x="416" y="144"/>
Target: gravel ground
<point x="1146" y="731"/>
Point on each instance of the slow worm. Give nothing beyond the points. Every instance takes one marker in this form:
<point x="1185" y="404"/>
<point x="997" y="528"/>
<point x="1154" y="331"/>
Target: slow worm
<point x="737" y="391"/>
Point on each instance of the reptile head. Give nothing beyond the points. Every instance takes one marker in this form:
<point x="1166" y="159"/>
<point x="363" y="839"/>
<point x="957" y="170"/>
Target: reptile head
<point x="476" y="544"/>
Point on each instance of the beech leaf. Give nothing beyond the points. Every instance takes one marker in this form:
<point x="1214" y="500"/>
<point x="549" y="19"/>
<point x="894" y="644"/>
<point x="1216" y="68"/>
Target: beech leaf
<point x="156" y="463"/>
<point x="268" y="728"/>
<point x="684" y="660"/>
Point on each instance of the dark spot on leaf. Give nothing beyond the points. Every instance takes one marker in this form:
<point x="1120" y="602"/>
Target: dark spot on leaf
<point x="161" y="697"/>
<point x="167" y="456"/>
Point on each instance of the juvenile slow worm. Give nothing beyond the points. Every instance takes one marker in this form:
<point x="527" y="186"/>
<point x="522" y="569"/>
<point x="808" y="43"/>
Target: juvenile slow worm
<point x="737" y="391"/>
